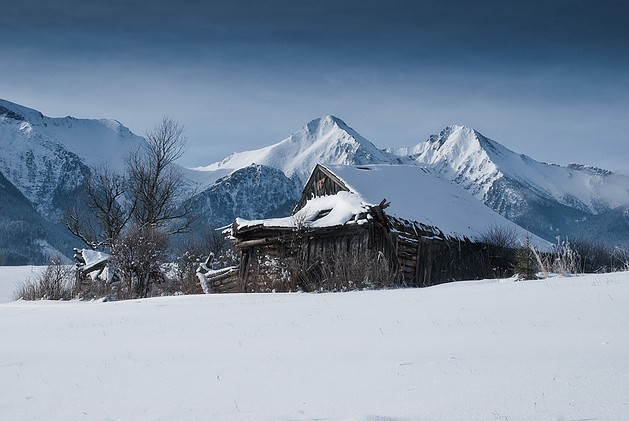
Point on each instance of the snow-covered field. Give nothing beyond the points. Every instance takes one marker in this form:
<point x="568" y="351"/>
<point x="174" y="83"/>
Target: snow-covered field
<point x="555" y="349"/>
<point x="11" y="277"/>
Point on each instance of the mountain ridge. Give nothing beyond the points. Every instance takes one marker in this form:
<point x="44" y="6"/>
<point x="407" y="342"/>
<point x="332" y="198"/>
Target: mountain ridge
<point x="48" y="159"/>
<point x="551" y="199"/>
<point x="327" y="139"/>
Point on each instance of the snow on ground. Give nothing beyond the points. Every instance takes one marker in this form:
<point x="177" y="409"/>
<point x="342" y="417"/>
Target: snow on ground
<point x="482" y="350"/>
<point x="11" y="277"/>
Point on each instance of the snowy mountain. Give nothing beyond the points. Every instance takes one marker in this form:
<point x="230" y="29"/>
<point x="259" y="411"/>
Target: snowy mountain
<point x="25" y="237"/>
<point x="548" y="199"/>
<point x="255" y="191"/>
<point x="47" y="159"/>
<point x="44" y="163"/>
<point x="267" y="182"/>
<point x="323" y="140"/>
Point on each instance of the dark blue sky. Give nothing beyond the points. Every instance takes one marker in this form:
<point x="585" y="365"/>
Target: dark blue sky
<point x="545" y="78"/>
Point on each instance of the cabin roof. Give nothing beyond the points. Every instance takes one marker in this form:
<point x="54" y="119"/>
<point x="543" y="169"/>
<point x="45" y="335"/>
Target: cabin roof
<point x="420" y="194"/>
<point x="415" y="193"/>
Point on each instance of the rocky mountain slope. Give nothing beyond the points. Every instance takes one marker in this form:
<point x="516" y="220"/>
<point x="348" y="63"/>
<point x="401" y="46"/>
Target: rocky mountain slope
<point x="25" y="237"/>
<point x="47" y="159"/>
<point x="44" y="162"/>
<point x="255" y="191"/>
<point x="548" y="199"/>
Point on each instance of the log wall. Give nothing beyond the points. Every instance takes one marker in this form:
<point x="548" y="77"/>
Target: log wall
<point x="417" y="255"/>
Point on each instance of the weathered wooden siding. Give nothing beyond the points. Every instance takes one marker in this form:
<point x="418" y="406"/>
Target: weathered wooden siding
<point x="321" y="183"/>
<point x="417" y="255"/>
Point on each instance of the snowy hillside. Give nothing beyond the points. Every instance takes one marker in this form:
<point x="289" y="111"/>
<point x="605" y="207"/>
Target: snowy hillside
<point x="478" y="163"/>
<point x="483" y="350"/>
<point x="95" y="141"/>
<point x="325" y="140"/>
<point x="25" y="237"/>
<point x="47" y="158"/>
<point x="255" y="191"/>
<point x="549" y="199"/>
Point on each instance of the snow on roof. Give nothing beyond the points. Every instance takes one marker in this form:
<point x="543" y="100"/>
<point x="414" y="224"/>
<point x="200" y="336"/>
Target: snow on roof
<point x="415" y="193"/>
<point x="420" y="194"/>
<point x="319" y="212"/>
<point x="93" y="258"/>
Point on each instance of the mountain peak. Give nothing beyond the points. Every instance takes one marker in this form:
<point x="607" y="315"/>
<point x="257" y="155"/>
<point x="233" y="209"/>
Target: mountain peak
<point x="455" y="132"/>
<point x="326" y="121"/>
<point x="327" y="140"/>
<point x="324" y="124"/>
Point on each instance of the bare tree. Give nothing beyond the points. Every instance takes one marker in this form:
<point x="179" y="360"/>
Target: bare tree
<point x="106" y="195"/>
<point x="109" y="209"/>
<point x="134" y="214"/>
<point x="152" y="192"/>
<point x="156" y="184"/>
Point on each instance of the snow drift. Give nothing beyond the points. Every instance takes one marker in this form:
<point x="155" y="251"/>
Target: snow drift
<point x="499" y="349"/>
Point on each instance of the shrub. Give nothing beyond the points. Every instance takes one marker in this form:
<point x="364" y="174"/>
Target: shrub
<point x="55" y="282"/>
<point x="526" y="265"/>
<point x="138" y="257"/>
<point x="501" y="245"/>
<point x="565" y="260"/>
<point x="343" y="270"/>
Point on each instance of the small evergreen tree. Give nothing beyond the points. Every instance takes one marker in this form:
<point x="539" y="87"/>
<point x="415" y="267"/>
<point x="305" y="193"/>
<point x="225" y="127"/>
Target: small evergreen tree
<point x="526" y="265"/>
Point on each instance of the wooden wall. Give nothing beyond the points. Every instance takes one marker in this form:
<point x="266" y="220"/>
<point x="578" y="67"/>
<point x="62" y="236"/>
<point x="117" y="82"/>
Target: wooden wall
<point x="321" y="183"/>
<point x="417" y="255"/>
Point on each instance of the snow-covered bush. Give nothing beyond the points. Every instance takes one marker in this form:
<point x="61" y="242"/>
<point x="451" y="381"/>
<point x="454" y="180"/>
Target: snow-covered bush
<point x="565" y="260"/>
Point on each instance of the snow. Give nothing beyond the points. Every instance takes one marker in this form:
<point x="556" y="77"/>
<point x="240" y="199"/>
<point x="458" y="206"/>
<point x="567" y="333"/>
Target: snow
<point x="92" y="258"/>
<point x="476" y="163"/>
<point x="327" y="139"/>
<point x="95" y="141"/>
<point x="483" y="350"/>
<point x="415" y="193"/>
<point x="11" y="277"/>
<point x="342" y="208"/>
<point x="45" y="157"/>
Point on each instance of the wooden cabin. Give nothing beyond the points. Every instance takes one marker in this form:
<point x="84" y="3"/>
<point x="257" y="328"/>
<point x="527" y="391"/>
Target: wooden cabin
<point x="405" y="222"/>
